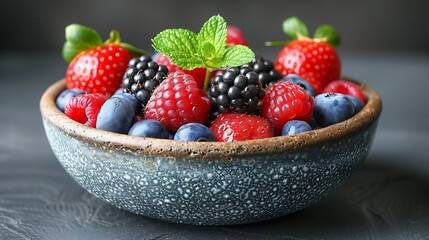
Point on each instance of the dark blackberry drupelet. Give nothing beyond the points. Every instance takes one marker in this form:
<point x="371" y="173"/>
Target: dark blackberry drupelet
<point x="265" y="70"/>
<point x="142" y="76"/>
<point x="236" y="90"/>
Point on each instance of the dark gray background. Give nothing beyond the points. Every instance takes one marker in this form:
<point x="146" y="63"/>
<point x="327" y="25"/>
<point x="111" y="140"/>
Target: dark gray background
<point x="364" y="25"/>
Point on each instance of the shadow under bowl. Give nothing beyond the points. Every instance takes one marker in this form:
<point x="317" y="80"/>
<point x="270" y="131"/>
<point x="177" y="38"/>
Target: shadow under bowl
<point x="210" y="183"/>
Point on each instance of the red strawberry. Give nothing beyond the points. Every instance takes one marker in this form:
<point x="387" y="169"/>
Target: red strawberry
<point x="235" y="36"/>
<point x="345" y="87"/>
<point x="285" y="101"/>
<point x="231" y="127"/>
<point x="84" y="108"/>
<point x="95" y="67"/>
<point x="98" y="70"/>
<point x="315" y="60"/>
<point x="199" y="74"/>
<point x="177" y="101"/>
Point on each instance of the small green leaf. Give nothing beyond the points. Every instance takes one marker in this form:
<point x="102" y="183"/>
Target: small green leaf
<point x="328" y="34"/>
<point x="213" y="32"/>
<point x="237" y="55"/>
<point x="294" y="27"/>
<point x="181" y="46"/>
<point x="276" y="43"/>
<point x="79" y="38"/>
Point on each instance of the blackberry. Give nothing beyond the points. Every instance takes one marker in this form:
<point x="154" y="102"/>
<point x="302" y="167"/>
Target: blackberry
<point x="236" y="90"/>
<point x="142" y="76"/>
<point x="265" y="70"/>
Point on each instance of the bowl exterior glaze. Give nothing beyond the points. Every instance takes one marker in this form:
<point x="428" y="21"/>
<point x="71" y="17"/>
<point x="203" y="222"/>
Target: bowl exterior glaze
<point x="203" y="187"/>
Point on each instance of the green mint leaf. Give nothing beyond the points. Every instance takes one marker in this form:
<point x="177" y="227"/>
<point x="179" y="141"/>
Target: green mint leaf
<point x="79" y="38"/>
<point x="212" y="38"/>
<point x="181" y="46"/>
<point x="237" y="55"/>
<point x="294" y="27"/>
<point x="328" y="34"/>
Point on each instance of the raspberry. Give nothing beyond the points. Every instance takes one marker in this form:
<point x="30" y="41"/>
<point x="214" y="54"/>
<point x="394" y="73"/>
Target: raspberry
<point x="345" y="87"/>
<point x="84" y="108"/>
<point x="142" y="77"/>
<point x="231" y="127"/>
<point x="237" y="90"/>
<point x="177" y="101"/>
<point x="265" y="70"/>
<point x="285" y="101"/>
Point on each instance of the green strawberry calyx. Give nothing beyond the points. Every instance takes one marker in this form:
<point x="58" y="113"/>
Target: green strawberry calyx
<point x="205" y="49"/>
<point x="297" y="30"/>
<point x="80" y="38"/>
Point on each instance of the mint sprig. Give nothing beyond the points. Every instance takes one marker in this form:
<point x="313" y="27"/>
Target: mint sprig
<point x="205" y="49"/>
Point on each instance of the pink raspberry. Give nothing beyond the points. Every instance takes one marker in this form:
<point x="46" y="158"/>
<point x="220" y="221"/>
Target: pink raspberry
<point x="177" y="101"/>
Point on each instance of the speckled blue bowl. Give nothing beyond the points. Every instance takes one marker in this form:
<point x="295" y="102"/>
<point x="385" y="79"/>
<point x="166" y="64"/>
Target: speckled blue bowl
<point x="210" y="183"/>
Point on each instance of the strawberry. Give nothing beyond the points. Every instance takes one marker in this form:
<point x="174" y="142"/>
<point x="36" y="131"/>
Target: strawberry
<point x="235" y="36"/>
<point x="199" y="74"/>
<point x="177" y="101"/>
<point x="285" y="101"/>
<point x="231" y="127"/>
<point x="95" y="67"/>
<point x="314" y="59"/>
<point x="345" y="87"/>
<point x="84" y="108"/>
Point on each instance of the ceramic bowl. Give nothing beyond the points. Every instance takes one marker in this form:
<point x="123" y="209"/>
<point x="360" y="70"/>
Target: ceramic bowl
<point x="210" y="183"/>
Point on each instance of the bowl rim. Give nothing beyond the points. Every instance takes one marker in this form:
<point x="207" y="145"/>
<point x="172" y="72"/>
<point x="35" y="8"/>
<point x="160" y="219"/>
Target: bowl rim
<point x="225" y="150"/>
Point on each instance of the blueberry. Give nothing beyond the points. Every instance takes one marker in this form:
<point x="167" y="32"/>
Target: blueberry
<point x="331" y="108"/>
<point x="119" y="91"/>
<point x="149" y="128"/>
<point x="194" y="132"/>
<point x="135" y="103"/>
<point x="294" y="127"/>
<point x="295" y="79"/>
<point x="65" y="97"/>
<point x="357" y="103"/>
<point x="116" y="115"/>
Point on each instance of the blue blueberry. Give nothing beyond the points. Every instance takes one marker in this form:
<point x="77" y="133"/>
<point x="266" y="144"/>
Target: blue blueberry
<point x="149" y="128"/>
<point x="116" y="115"/>
<point x="119" y="91"/>
<point x="331" y="108"/>
<point x="294" y="127"/>
<point x="194" y="132"/>
<point x="65" y="97"/>
<point x="135" y="103"/>
<point x="295" y="79"/>
<point x="357" y="103"/>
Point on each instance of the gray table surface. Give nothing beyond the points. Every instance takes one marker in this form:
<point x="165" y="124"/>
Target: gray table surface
<point x="388" y="198"/>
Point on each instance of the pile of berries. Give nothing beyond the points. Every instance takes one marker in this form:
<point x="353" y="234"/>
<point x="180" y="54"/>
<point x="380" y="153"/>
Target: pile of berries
<point x="109" y="89"/>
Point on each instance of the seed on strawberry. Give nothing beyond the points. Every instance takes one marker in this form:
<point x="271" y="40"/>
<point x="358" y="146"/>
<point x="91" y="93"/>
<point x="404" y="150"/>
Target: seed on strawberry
<point x="177" y="101"/>
<point x="231" y="127"/>
<point x="285" y="101"/>
<point x="84" y="108"/>
<point x="314" y="59"/>
<point x="234" y="36"/>
<point x="345" y="87"/>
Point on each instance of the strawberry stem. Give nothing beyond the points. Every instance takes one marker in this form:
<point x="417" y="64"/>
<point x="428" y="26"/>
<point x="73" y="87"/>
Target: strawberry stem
<point x="114" y="37"/>
<point x="276" y="43"/>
